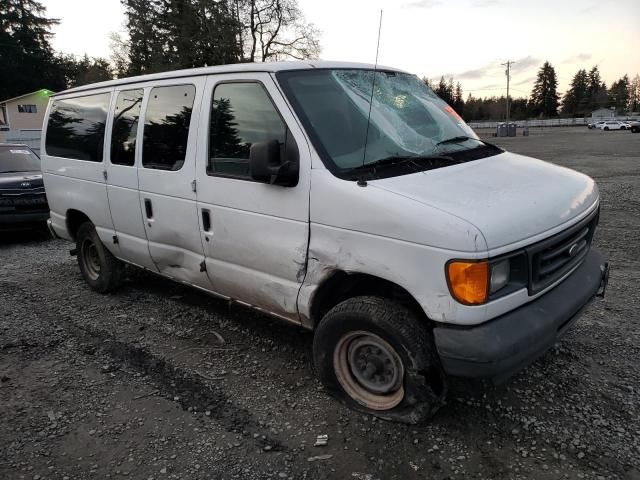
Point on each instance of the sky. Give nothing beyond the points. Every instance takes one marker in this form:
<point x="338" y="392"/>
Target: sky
<point x="466" y="39"/>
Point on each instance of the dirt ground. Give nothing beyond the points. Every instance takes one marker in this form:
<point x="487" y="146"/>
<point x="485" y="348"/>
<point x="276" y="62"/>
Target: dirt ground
<point x="160" y="381"/>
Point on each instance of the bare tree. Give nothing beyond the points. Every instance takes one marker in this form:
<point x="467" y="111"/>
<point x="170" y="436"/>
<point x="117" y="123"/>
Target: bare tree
<point x="119" y="53"/>
<point x="275" y="30"/>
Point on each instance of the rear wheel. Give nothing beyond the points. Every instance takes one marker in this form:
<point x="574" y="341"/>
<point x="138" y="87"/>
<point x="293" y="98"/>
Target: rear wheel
<point x="100" y="269"/>
<point x="379" y="358"/>
<point x="606" y="128"/>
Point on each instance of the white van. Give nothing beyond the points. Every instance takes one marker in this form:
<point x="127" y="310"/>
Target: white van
<point x="415" y="250"/>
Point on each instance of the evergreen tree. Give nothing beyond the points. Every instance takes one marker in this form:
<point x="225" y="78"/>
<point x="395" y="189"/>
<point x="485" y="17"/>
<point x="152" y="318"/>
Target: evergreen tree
<point x="444" y="89"/>
<point x="146" y="48"/>
<point x="619" y="94"/>
<point x="597" y="91"/>
<point x="576" y="99"/>
<point x="634" y="94"/>
<point x="458" y="100"/>
<point x="26" y="56"/>
<point x="544" y="97"/>
<point x="225" y="138"/>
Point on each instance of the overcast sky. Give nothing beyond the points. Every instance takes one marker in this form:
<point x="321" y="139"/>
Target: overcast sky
<point x="468" y="39"/>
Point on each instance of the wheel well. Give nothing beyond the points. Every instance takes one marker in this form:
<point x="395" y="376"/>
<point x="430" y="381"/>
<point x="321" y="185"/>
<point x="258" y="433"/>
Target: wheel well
<point x="342" y="286"/>
<point x="75" y="218"/>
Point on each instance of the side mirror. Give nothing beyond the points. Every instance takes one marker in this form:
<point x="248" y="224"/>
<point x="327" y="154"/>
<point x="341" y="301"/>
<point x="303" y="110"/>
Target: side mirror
<point x="270" y="163"/>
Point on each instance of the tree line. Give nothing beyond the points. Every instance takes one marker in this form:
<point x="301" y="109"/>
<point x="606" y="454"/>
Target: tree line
<point x="586" y="93"/>
<point x="160" y="35"/>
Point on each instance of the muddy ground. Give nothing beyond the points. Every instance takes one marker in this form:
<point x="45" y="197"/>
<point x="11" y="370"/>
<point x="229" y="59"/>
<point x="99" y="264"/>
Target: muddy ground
<point x="160" y="381"/>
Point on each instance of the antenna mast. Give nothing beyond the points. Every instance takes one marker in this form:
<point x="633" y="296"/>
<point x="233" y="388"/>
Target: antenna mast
<point x="373" y="85"/>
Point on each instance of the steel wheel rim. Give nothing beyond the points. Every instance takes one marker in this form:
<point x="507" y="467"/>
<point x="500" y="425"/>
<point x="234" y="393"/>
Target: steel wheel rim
<point x="91" y="259"/>
<point x="369" y="370"/>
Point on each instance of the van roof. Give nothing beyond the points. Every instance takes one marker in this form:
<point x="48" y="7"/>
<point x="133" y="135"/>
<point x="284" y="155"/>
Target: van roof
<point x="232" y="68"/>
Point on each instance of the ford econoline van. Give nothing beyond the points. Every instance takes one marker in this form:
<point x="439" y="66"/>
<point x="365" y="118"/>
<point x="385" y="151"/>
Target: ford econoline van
<point x="346" y="198"/>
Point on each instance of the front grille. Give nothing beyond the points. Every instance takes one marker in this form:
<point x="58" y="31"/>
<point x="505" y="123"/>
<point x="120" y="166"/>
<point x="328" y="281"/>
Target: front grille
<point x="554" y="257"/>
<point x="23" y="203"/>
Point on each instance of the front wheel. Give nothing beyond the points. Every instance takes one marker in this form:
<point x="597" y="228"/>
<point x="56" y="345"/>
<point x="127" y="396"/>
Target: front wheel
<point x="379" y="358"/>
<point x="100" y="269"/>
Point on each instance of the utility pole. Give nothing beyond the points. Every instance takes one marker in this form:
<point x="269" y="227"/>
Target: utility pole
<point x="508" y="74"/>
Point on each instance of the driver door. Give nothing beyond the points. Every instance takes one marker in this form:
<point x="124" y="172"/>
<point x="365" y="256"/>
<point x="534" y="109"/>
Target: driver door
<point x="255" y="235"/>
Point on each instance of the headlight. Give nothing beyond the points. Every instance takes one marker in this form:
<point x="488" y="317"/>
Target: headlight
<point x="499" y="275"/>
<point x="474" y="282"/>
<point x="468" y="281"/>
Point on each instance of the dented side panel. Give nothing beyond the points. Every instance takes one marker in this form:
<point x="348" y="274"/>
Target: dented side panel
<point x="365" y="230"/>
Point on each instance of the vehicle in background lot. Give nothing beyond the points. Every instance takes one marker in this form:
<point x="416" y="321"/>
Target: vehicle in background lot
<point x="415" y="250"/>
<point x="591" y="126"/>
<point x="23" y="203"/>
<point x="613" y="125"/>
<point x="634" y="127"/>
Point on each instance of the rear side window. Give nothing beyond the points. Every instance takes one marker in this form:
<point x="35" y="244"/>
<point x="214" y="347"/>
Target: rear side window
<point x="166" y="127"/>
<point x="125" y="127"/>
<point x="76" y="127"/>
<point x="241" y="115"/>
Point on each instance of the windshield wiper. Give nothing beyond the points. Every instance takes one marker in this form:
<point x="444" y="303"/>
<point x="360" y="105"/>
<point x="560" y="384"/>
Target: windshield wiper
<point x="458" y="139"/>
<point x="397" y="159"/>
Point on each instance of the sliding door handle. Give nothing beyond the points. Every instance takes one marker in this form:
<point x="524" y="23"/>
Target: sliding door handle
<point x="148" y="208"/>
<point x="206" y="220"/>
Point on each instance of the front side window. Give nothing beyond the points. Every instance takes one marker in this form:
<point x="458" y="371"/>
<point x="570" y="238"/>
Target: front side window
<point x="241" y="115"/>
<point x="404" y="128"/>
<point x="166" y="127"/>
<point x="76" y="127"/>
<point x="125" y="127"/>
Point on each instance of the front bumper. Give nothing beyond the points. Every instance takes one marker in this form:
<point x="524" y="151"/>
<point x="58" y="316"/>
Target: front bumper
<point x="503" y="346"/>
<point x="19" y="221"/>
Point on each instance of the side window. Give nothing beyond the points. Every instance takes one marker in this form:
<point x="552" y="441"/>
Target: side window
<point x="166" y="127"/>
<point x="125" y="127"/>
<point x="76" y="127"/>
<point x="27" y="109"/>
<point x="241" y="114"/>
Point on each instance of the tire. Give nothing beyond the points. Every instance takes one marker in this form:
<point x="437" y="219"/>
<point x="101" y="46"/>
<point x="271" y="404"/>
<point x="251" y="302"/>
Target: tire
<point x="100" y="269"/>
<point x="623" y="128"/>
<point x="606" y="128"/>
<point x="398" y="375"/>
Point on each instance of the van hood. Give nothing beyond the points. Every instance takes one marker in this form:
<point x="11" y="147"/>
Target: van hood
<point x="508" y="197"/>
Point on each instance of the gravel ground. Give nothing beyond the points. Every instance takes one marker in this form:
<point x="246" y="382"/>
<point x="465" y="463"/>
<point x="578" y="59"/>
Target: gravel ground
<point x="160" y="381"/>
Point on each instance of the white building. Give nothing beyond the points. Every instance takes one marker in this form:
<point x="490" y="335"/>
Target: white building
<point x="603" y="114"/>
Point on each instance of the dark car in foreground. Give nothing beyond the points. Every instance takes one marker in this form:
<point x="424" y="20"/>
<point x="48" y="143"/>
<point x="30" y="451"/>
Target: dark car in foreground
<point x="634" y="127"/>
<point x="23" y="203"/>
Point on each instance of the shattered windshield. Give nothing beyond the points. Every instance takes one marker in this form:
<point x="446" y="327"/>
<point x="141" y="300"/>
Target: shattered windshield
<point x="407" y="119"/>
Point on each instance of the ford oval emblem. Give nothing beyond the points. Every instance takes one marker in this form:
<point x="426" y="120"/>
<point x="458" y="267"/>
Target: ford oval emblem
<point x="573" y="250"/>
<point x="25" y="185"/>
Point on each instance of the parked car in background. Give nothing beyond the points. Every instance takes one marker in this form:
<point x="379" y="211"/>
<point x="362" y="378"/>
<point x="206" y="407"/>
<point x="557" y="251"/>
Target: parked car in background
<point x="23" y="203"/>
<point x="593" y="125"/>
<point x="634" y="127"/>
<point x="413" y="248"/>
<point x="613" y="125"/>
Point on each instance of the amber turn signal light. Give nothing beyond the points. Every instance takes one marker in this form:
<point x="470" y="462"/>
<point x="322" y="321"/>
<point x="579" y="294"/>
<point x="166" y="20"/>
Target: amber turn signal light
<point x="469" y="281"/>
